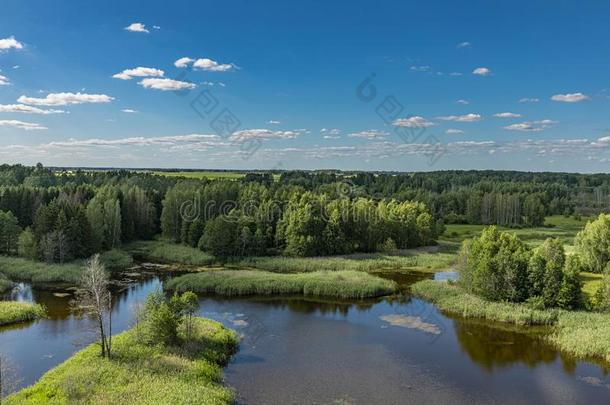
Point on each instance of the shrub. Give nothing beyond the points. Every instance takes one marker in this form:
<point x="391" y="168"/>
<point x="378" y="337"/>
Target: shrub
<point x="116" y="259"/>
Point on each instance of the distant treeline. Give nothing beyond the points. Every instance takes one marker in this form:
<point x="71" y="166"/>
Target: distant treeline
<point x="60" y="215"/>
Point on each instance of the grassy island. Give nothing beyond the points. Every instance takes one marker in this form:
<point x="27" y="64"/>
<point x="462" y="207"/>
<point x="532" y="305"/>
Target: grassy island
<point x="13" y="312"/>
<point x="335" y="284"/>
<point x="141" y="374"/>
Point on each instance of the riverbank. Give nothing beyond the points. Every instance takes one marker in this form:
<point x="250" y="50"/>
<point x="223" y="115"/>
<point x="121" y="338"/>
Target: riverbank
<point x="141" y="374"/>
<point x="334" y="284"/>
<point x="578" y="333"/>
<point x="14" y="312"/>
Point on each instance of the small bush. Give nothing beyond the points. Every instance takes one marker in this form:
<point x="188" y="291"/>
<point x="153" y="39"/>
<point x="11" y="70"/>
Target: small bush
<point x="116" y="259"/>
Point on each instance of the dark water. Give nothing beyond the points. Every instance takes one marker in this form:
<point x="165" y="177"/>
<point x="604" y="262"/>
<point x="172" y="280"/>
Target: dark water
<point x="297" y="351"/>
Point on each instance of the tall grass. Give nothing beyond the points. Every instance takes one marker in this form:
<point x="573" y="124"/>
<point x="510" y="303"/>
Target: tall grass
<point x="371" y="262"/>
<point x="141" y="374"/>
<point x="16" y="268"/>
<point x="336" y="284"/>
<point x="582" y="334"/>
<point x="13" y="312"/>
<point x="453" y="299"/>
<point x="167" y="252"/>
<point x="5" y="283"/>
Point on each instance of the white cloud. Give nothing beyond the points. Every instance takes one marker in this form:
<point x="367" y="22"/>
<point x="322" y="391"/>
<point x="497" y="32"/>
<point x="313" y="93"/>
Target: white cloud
<point x="140" y="71"/>
<point x="413" y="122"/>
<point x="183" y="62"/>
<point x="369" y="134"/>
<point x="156" y="27"/>
<point x="265" y="134"/>
<point x="129" y="111"/>
<point x="165" y="84"/>
<point x="204" y="64"/>
<point x="137" y="27"/>
<point x="140" y="141"/>
<point x="330" y="133"/>
<point x="212" y="66"/>
<point x="529" y="100"/>
<point x="66" y="99"/>
<point x="274" y="122"/>
<point x="462" y="118"/>
<point x="10" y="43"/>
<point x="464" y="44"/>
<point x="570" y="97"/>
<point x="28" y="126"/>
<point x="531" y="126"/>
<point x="453" y="131"/>
<point x="462" y="101"/>
<point x="26" y="109"/>
<point x="507" y="115"/>
<point x="420" y="68"/>
<point x="4" y="81"/>
<point x="481" y="71"/>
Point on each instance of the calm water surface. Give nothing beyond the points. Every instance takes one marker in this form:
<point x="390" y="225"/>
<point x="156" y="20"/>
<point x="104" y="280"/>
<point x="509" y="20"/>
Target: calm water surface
<point x="295" y="351"/>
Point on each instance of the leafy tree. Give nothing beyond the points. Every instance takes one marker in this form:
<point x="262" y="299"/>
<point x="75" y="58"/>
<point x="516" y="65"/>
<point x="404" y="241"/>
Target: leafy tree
<point x="533" y="210"/>
<point x="593" y="244"/>
<point x="9" y="233"/>
<point x="219" y="237"/>
<point x="545" y="272"/>
<point x="27" y="245"/>
<point x="570" y="294"/>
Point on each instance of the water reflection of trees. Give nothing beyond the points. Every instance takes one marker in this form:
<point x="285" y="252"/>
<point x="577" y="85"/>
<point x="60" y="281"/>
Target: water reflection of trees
<point x="308" y="306"/>
<point x="494" y="347"/>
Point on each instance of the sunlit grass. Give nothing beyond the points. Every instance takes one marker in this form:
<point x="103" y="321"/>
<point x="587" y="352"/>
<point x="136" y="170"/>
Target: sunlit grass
<point x="334" y="284"/>
<point x="141" y="374"/>
<point x="591" y="282"/>
<point x="40" y="273"/>
<point x="582" y="334"/>
<point x="166" y="252"/>
<point x="13" y="312"/>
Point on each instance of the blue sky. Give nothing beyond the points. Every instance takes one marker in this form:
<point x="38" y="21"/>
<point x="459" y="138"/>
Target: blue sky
<point x="275" y="84"/>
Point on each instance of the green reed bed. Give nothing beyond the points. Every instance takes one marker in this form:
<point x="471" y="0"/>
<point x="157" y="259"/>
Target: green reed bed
<point x="167" y="252"/>
<point x="579" y="333"/>
<point x="14" y="312"/>
<point x="336" y="284"/>
<point x="141" y="374"/>
<point x="40" y="273"/>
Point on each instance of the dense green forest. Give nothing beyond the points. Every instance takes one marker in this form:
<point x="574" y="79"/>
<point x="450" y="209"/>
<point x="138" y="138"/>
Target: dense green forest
<point x="57" y="215"/>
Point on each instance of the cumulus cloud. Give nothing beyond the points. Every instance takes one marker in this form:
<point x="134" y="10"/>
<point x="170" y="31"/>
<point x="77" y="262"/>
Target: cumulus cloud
<point x="10" y="43"/>
<point x="464" y="44"/>
<point x="369" y="134"/>
<point x="413" y="122"/>
<point x="28" y="126"/>
<point x="330" y="133"/>
<point x="531" y="126"/>
<point x="173" y="140"/>
<point x="529" y="100"/>
<point x="54" y="99"/>
<point x="453" y="131"/>
<point x="507" y="115"/>
<point x="265" y="134"/>
<point x="183" y="62"/>
<point x="140" y="71"/>
<point x="462" y="118"/>
<point x="570" y="97"/>
<point x="204" y="64"/>
<point x="26" y="109"/>
<point x="129" y="111"/>
<point x="481" y="71"/>
<point x="4" y="81"/>
<point x="165" y="84"/>
<point x="137" y="27"/>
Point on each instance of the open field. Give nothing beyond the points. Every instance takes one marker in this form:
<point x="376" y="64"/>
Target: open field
<point x="13" y="312"/>
<point x="575" y="332"/>
<point x="141" y="374"/>
<point x="334" y="284"/>
<point x="211" y="175"/>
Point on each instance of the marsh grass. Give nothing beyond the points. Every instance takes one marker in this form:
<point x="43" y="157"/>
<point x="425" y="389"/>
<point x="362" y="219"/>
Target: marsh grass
<point x="39" y="273"/>
<point x="167" y="252"/>
<point x="335" y="284"/>
<point x="5" y="283"/>
<point x="579" y="333"/>
<point x="14" y="312"/>
<point x="141" y="374"/>
<point x="453" y="299"/>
